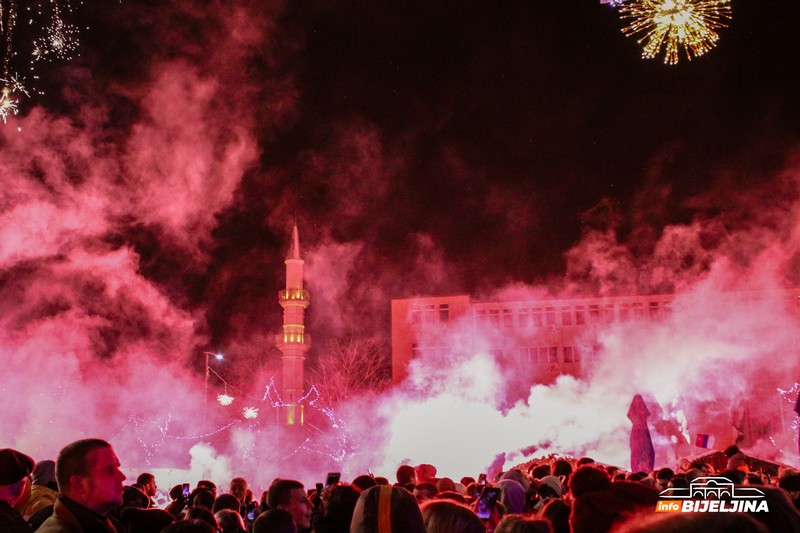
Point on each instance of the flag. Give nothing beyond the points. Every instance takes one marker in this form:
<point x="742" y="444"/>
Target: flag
<point x="701" y="441"/>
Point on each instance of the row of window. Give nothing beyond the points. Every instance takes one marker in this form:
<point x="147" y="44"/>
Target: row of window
<point x="566" y="315"/>
<point x="533" y="354"/>
<point x="430" y="314"/>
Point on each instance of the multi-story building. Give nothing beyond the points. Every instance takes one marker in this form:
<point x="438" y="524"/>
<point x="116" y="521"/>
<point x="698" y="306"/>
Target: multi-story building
<point x="553" y="335"/>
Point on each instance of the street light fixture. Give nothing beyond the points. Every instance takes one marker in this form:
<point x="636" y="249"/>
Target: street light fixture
<point x="219" y="357"/>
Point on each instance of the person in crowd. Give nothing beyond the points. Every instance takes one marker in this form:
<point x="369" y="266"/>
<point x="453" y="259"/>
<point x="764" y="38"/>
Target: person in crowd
<point x="178" y="503"/>
<point x="782" y="515"/>
<point x="238" y="488"/>
<point x="275" y="521"/>
<point x="44" y="474"/>
<point x="146" y="483"/>
<point x="406" y="477"/>
<point x="247" y="507"/>
<point x="204" y="514"/>
<point x="15" y="467"/>
<point x="512" y="495"/>
<point x="393" y="508"/>
<point x="599" y="503"/>
<point x="540" y="471"/>
<point x="226" y="501"/>
<point x="289" y="495"/>
<point x="424" y="491"/>
<point x="649" y="522"/>
<point x="445" y="484"/>
<point x="380" y="480"/>
<point x="201" y="497"/>
<point x="557" y="512"/>
<point x="90" y="486"/>
<point x="132" y="496"/>
<point x="452" y="495"/>
<point x="562" y="469"/>
<point x="42" y="492"/>
<point x="145" y="520"/>
<point x="363" y="482"/>
<point x="426" y="473"/>
<point x="737" y="460"/>
<point x="549" y="488"/>
<point x="446" y="516"/>
<point x="663" y="478"/>
<point x="523" y="524"/>
<point x="189" y="526"/>
<point x="230" y="521"/>
<point x="208" y="485"/>
<point x="339" y="507"/>
<point x="790" y="482"/>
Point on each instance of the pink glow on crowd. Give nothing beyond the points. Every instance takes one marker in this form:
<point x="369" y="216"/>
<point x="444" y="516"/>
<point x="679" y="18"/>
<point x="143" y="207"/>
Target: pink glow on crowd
<point x="92" y="346"/>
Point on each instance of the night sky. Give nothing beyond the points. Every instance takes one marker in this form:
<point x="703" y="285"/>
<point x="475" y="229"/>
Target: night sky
<point x="422" y="147"/>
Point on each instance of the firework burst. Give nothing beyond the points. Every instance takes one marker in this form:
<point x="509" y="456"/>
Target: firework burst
<point x="9" y="96"/>
<point x="673" y="25"/>
<point x="57" y="40"/>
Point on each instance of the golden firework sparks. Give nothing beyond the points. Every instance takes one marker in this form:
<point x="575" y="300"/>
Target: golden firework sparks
<point x="674" y="25"/>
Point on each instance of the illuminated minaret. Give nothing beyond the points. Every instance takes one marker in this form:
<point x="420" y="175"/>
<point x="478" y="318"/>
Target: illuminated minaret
<point x="293" y="342"/>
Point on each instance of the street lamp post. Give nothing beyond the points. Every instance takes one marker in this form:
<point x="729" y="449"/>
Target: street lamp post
<point x="218" y="357"/>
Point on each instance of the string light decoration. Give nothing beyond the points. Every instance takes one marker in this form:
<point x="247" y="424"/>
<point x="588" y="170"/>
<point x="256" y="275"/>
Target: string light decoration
<point x="333" y="442"/>
<point x="673" y="25"/>
<point x="143" y="428"/>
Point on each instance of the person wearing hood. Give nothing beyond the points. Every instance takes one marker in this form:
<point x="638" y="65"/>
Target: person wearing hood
<point x="386" y="509"/>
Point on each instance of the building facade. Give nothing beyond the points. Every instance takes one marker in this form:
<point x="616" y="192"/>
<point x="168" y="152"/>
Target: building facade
<point x="552" y="335"/>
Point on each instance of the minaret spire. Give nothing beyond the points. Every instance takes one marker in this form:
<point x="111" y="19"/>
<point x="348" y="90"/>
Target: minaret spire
<point x="293" y="342"/>
<point x="295" y="252"/>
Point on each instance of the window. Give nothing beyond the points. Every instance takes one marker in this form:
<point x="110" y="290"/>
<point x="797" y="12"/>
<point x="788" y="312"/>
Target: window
<point x="608" y="313"/>
<point x="444" y="313"/>
<point x="638" y="311"/>
<point x="576" y="354"/>
<point x="580" y="314"/>
<point x="543" y="355"/>
<point x="508" y="318"/>
<point x="654" y="309"/>
<point x="537" y="316"/>
<point x="524" y="317"/>
<point x="480" y="319"/>
<point x="416" y="315"/>
<point x="567" y="354"/>
<point x="430" y="313"/>
<point x="623" y="311"/>
<point x="551" y="316"/>
<point x="494" y="318"/>
<point x="553" y="353"/>
<point x="566" y="315"/>
<point x="415" y="350"/>
<point x="531" y="355"/>
<point x="594" y="314"/>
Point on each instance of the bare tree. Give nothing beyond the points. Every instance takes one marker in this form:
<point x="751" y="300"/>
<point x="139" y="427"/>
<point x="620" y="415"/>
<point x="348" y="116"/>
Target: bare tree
<point x="350" y="367"/>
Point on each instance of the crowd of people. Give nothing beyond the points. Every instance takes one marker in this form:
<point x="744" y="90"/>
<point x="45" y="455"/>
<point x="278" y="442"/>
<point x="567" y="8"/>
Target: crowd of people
<point x="82" y="491"/>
